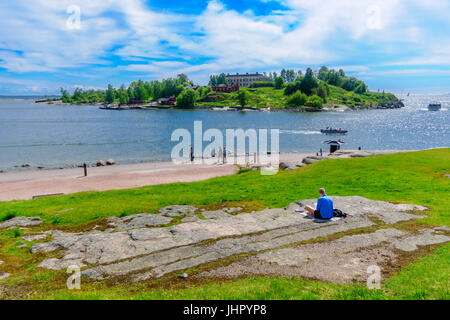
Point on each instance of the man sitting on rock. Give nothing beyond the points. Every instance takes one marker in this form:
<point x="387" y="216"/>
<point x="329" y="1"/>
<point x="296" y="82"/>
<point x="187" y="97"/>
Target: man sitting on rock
<point x="324" y="208"/>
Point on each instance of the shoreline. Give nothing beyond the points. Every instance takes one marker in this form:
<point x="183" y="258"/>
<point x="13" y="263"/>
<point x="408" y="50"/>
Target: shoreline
<point x="328" y="107"/>
<point x="28" y="184"/>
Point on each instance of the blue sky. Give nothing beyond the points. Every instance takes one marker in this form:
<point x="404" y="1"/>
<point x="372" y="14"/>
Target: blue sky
<point x="397" y="45"/>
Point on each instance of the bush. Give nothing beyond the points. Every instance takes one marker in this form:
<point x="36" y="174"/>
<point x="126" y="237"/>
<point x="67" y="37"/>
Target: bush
<point x="315" y="101"/>
<point x="279" y="82"/>
<point x="187" y="98"/>
<point x="243" y="97"/>
<point x="291" y="88"/>
<point x="263" y="84"/>
<point x="298" y="99"/>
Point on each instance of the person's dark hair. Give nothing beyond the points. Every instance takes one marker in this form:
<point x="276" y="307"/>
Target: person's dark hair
<point x="322" y="191"/>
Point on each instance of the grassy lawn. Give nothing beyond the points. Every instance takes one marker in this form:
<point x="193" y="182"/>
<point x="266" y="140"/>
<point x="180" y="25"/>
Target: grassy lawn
<point x="416" y="177"/>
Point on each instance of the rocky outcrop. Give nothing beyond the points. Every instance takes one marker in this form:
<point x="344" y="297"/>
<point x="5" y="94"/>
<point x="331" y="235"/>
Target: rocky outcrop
<point x="21" y="222"/>
<point x="135" y="243"/>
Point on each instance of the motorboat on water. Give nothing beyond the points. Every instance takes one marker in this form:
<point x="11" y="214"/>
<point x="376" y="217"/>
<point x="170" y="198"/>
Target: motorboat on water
<point x="434" y="107"/>
<point x="333" y="131"/>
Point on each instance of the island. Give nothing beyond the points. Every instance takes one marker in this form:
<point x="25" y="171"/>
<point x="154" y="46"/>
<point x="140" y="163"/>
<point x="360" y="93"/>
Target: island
<point x="320" y="90"/>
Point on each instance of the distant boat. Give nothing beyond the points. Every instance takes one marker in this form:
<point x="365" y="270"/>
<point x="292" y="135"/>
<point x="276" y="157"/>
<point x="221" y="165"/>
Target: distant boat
<point x="434" y="107"/>
<point x="333" y="131"/>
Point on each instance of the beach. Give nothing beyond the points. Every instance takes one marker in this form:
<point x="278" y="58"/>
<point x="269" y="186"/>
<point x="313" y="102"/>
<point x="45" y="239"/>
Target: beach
<point x="28" y="184"/>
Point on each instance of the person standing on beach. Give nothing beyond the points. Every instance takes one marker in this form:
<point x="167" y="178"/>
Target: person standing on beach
<point x="192" y="154"/>
<point x="224" y="155"/>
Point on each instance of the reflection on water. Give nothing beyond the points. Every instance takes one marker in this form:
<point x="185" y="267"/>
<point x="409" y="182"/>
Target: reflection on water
<point x="61" y="136"/>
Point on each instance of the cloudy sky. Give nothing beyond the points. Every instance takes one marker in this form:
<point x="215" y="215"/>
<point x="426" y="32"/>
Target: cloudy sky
<point x="392" y="44"/>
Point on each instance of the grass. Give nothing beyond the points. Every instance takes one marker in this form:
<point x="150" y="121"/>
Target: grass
<point x="275" y="98"/>
<point x="416" y="177"/>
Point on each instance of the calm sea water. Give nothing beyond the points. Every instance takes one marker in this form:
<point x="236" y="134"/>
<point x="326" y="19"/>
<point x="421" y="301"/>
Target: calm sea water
<point x="64" y="136"/>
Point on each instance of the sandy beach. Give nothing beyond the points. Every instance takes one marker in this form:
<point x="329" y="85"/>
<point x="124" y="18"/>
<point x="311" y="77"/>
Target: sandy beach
<point x="28" y="184"/>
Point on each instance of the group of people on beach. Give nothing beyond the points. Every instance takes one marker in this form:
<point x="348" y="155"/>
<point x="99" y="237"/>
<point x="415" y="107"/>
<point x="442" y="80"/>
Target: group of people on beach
<point x="221" y="155"/>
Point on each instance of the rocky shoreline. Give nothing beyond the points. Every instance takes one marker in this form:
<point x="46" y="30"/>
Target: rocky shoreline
<point x="326" y="108"/>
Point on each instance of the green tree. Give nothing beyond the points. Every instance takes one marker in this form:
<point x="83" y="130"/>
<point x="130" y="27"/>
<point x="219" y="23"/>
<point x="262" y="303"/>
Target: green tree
<point x="279" y="82"/>
<point x="110" y="94"/>
<point x="65" y="96"/>
<point x="243" y="97"/>
<point x="297" y="99"/>
<point x="187" y="98"/>
<point x="309" y="82"/>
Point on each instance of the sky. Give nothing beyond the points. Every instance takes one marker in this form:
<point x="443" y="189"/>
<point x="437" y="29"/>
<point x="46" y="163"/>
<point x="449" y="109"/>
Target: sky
<point x="397" y="45"/>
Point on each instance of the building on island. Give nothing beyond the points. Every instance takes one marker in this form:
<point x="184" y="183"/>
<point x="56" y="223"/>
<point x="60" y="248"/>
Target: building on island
<point x="246" y="80"/>
<point x="227" y="88"/>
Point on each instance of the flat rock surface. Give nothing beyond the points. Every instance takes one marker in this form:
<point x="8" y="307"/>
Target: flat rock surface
<point x="21" y="222"/>
<point x="140" y="248"/>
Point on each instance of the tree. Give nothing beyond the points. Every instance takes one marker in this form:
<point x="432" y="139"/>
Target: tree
<point x="279" y="82"/>
<point x="291" y="88"/>
<point x="243" y="97"/>
<point x="123" y="96"/>
<point x="298" y="99"/>
<point x="187" y="98"/>
<point x="110" y="94"/>
<point x="65" y="97"/>
<point x="309" y="82"/>
<point x="216" y="80"/>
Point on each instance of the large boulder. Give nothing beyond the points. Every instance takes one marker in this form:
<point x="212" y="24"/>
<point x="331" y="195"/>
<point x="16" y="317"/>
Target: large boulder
<point x="110" y="162"/>
<point x="100" y="163"/>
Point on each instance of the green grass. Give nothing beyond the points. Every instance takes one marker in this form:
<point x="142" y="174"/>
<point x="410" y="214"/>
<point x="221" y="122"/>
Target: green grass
<point x="275" y="98"/>
<point x="416" y="177"/>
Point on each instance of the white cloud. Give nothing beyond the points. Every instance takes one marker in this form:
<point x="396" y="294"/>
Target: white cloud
<point x="35" y="37"/>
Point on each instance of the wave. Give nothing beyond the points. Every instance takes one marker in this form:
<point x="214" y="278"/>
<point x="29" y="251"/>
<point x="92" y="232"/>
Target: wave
<point x="307" y="132"/>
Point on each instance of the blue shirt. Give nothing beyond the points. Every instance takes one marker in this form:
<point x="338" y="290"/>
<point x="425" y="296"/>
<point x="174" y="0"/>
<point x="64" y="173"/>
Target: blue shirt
<point x="325" y="206"/>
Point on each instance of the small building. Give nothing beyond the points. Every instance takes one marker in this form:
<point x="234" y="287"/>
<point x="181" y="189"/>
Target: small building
<point x="192" y="87"/>
<point x="167" y="101"/>
<point x="246" y="80"/>
<point x="225" y="88"/>
<point x="334" y="145"/>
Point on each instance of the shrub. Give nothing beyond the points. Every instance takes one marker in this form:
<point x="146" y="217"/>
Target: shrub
<point x="243" y="97"/>
<point x="8" y="216"/>
<point x="187" y="98"/>
<point x="279" y="82"/>
<point x="291" y="88"/>
<point x="298" y="99"/>
<point x="315" y="101"/>
<point x="263" y="84"/>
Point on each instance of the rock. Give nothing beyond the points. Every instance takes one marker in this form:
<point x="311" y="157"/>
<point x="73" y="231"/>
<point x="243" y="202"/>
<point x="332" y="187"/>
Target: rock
<point x="190" y="219"/>
<point x="21" y="222"/>
<point x="110" y="162"/>
<point x="2" y="262"/>
<point x="443" y="228"/>
<point x="138" y="221"/>
<point x="178" y="210"/>
<point x="34" y="237"/>
<point x="4" y="275"/>
<point x="424" y="238"/>
<point x="361" y="154"/>
<point x="232" y="210"/>
<point x="312" y="159"/>
<point x="25" y="165"/>
<point x="290" y="165"/>
<point x="100" y="163"/>
<point x="183" y="276"/>
<point x="22" y="246"/>
<point x="163" y="250"/>
<point x="218" y="214"/>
